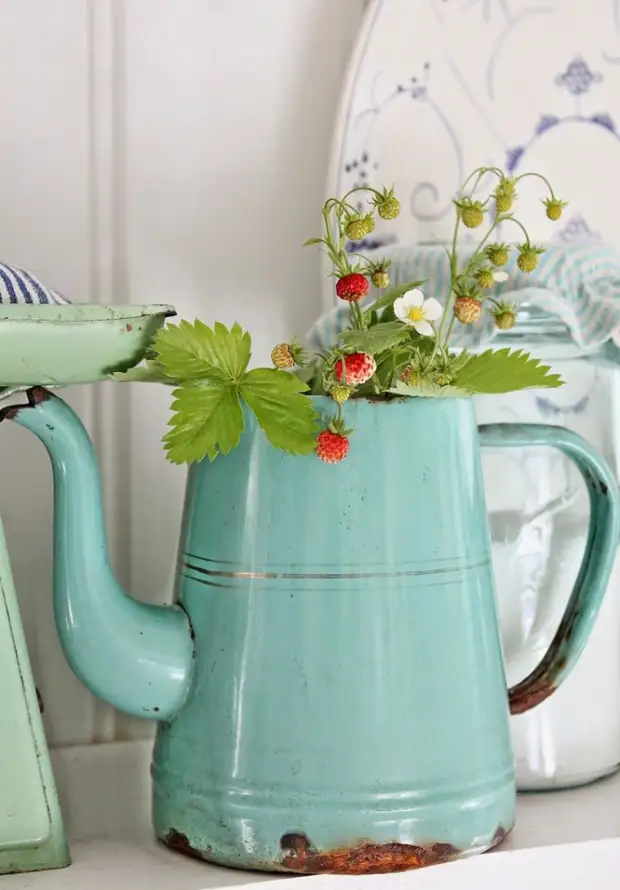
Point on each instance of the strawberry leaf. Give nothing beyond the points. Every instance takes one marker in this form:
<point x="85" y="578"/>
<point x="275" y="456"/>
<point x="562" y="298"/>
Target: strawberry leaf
<point x="286" y="416"/>
<point x="428" y="391"/>
<point x="504" y="371"/>
<point x="196" y="352"/>
<point x="377" y="338"/>
<point x="206" y="421"/>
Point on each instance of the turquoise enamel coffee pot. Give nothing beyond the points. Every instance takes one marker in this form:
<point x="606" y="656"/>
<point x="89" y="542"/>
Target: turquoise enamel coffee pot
<point x="329" y="685"/>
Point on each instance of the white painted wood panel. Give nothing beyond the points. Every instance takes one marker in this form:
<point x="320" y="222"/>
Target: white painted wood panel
<point x="230" y="109"/>
<point x="47" y="225"/>
<point x="154" y="151"/>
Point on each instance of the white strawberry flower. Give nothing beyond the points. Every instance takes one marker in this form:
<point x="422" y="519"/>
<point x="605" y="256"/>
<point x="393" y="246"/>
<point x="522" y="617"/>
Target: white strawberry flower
<point x="416" y="312"/>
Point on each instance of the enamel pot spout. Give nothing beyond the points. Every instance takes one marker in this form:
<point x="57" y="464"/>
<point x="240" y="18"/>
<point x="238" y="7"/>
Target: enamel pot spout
<point x="135" y="656"/>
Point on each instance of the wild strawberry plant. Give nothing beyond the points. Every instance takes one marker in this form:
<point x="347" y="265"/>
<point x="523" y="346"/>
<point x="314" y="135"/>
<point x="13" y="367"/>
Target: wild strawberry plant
<point x="396" y="345"/>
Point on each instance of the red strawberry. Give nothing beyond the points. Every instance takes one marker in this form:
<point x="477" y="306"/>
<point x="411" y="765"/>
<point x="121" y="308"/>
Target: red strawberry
<point x="331" y="447"/>
<point x="352" y="287"/>
<point x="355" y="369"/>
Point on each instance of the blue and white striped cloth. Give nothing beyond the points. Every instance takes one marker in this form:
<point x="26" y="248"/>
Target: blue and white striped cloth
<point x="19" y="286"/>
<point x="578" y="284"/>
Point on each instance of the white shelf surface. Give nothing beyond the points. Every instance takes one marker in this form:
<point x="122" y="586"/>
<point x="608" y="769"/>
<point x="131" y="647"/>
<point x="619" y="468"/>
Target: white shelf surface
<point x="561" y="837"/>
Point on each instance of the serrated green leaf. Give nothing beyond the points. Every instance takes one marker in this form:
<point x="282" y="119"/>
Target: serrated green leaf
<point x="284" y="413"/>
<point x="206" y="420"/>
<point x="387" y="314"/>
<point x="193" y="351"/>
<point x="429" y="391"/>
<point x="458" y="361"/>
<point x="373" y="318"/>
<point x="377" y="338"/>
<point x="390" y="295"/>
<point x="503" y="370"/>
<point x="147" y="372"/>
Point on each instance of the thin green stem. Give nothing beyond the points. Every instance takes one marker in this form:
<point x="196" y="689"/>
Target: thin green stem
<point x="453" y="272"/>
<point x="479" y="173"/>
<point x="538" y="176"/>
<point x="437" y="345"/>
<point x="449" y="331"/>
<point x="521" y="226"/>
<point x="337" y="253"/>
<point x="498" y="219"/>
<point x="358" y="317"/>
<point x="361" y="188"/>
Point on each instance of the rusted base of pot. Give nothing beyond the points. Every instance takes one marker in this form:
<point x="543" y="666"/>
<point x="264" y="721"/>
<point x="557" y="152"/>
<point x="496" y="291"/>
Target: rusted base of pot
<point x="299" y="856"/>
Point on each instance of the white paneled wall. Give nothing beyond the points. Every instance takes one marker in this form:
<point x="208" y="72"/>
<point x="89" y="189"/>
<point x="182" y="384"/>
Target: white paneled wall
<point x="155" y="151"/>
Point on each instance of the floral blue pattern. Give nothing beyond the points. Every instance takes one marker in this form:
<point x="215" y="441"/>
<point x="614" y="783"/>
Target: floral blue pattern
<point x="578" y="78"/>
<point x="444" y="85"/>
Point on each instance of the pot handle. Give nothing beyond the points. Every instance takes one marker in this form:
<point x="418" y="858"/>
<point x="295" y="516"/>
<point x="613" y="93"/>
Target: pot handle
<point x="596" y="565"/>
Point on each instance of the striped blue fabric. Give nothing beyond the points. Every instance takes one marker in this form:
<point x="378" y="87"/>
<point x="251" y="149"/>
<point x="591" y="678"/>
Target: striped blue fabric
<point x="19" y="286"/>
<point x="577" y="284"/>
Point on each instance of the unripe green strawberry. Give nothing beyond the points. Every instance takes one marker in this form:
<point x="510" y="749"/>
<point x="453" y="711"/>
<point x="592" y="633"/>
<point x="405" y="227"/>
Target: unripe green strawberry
<point x="443" y="379"/>
<point x="340" y="393"/>
<point x="282" y="357"/>
<point x="467" y="309"/>
<point x="471" y="212"/>
<point x="503" y="203"/>
<point x="357" y="227"/>
<point x="498" y="254"/>
<point x="527" y="260"/>
<point x="412" y="376"/>
<point x="505" y="320"/>
<point x="387" y="204"/>
<point x="504" y="195"/>
<point x="554" y="208"/>
<point x="389" y="209"/>
<point x="485" y="278"/>
<point x="380" y="279"/>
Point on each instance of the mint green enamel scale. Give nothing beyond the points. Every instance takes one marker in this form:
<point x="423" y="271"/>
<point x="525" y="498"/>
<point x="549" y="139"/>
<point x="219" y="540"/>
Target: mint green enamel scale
<point x="45" y="341"/>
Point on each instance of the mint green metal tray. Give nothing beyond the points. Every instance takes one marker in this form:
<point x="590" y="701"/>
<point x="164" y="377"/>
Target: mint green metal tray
<point x="64" y="344"/>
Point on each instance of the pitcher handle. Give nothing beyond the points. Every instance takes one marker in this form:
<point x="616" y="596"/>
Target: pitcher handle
<point x="596" y="565"/>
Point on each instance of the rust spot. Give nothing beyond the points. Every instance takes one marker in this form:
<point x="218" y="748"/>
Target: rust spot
<point x="192" y="632"/>
<point x="35" y="396"/>
<point x="522" y="700"/>
<point x="544" y="680"/>
<point x="364" y="859"/>
<point x="180" y="844"/>
<point x="500" y="835"/>
<point x="129" y="327"/>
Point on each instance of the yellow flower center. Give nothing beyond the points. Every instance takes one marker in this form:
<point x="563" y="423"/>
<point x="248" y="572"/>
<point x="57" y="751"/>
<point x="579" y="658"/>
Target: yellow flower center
<point x="415" y="313"/>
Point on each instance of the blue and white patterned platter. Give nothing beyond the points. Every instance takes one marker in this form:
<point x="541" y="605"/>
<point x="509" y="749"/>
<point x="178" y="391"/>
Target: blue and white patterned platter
<point x="438" y="87"/>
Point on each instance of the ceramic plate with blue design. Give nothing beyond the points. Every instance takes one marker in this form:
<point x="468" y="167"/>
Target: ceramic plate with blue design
<point x="438" y="87"/>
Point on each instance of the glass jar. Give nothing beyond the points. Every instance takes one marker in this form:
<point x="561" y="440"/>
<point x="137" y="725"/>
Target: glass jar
<point x="538" y="509"/>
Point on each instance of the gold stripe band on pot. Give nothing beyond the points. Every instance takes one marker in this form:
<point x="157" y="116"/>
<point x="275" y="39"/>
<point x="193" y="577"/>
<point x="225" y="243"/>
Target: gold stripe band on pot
<point x="483" y="563"/>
